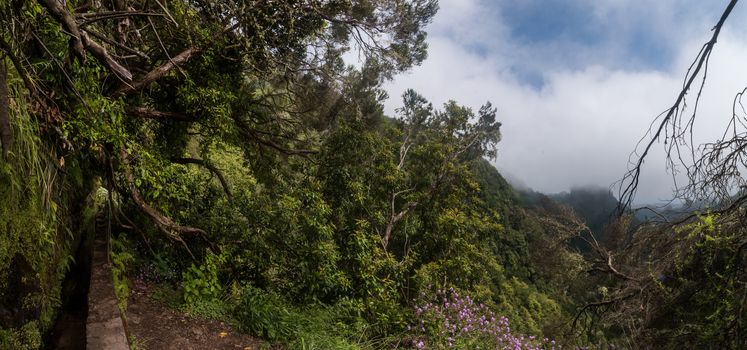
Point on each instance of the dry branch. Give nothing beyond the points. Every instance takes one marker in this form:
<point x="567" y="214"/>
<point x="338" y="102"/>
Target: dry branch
<point x="672" y="116"/>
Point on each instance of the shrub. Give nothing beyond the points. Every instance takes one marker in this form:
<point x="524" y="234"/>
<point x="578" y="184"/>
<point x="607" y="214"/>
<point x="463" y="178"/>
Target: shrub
<point x="458" y="322"/>
<point x="122" y="256"/>
<point x="314" y="326"/>
<point x="201" y="283"/>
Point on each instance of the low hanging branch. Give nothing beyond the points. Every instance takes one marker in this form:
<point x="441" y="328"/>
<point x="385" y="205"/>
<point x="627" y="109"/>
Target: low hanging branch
<point x="61" y="14"/>
<point x="158" y="72"/>
<point x="148" y="113"/>
<point x="101" y="55"/>
<point x="212" y="168"/>
<point x="164" y="223"/>
<point x="80" y="42"/>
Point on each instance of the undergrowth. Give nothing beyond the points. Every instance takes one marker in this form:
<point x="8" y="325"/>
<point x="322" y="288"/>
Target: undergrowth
<point x="122" y="258"/>
<point x="267" y="315"/>
<point x="314" y="326"/>
<point x="38" y="230"/>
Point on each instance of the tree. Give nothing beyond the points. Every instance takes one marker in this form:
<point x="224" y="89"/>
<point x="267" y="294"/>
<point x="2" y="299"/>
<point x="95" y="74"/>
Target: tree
<point x="132" y="82"/>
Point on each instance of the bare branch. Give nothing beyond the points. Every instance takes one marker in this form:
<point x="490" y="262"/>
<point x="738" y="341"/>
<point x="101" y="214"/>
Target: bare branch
<point x="672" y="116"/>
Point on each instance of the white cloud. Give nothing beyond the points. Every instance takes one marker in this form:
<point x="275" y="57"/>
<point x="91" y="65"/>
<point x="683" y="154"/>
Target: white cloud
<point x="581" y="126"/>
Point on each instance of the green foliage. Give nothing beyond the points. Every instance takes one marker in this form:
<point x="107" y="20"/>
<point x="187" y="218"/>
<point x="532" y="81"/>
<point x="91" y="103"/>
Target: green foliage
<point x="379" y="278"/>
<point x="122" y="258"/>
<point x="201" y="283"/>
<point x="264" y="314"/>
<point x="134" y="343"/>
<point x="704" y="293"/>
<point x="309" y="327"/>
<point x="322" y="218"/>
<point x="27" y="337"/>
<point x="39" y="227"/>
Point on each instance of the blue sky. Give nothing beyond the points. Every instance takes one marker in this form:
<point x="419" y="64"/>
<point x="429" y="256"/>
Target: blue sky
<point x="577" y="82"/>
<point x="574" y="26"/>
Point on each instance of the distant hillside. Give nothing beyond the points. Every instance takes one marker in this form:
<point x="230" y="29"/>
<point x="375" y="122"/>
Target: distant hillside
<point x="594" y="205"/>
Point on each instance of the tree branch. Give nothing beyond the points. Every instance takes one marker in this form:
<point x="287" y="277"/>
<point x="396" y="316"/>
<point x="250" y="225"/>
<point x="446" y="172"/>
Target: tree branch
<point x="248" y="131"/>
<point x="60" y="13"/>
<point x="80" y="41"/>
<point x="116" y="14"/>
<point x="149" y="113"/>
<point x="213" y="169"/>
<point x="114" y="43"/>
<point x="158" y="72"/>
<point x="101" y="55"/>
<point x="600" y="303"/>
<point x="19" y="67"/>
<point x="627" y="191"/>
<point x="393" y="219"/>
<point x="164" y="223"/>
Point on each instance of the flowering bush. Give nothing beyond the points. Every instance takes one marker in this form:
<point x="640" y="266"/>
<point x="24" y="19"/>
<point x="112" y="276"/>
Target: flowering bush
<point x="459" y="322"/>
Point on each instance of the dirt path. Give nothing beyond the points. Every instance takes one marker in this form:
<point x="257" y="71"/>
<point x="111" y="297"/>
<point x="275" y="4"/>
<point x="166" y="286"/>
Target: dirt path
<point x="156" y="326"/>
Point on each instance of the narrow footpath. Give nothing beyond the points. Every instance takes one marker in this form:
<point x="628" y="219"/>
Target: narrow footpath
<point x="104" y="328"/>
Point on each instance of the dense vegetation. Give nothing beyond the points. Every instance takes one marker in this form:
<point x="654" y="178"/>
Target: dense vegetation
<point x="251" y="176"/>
